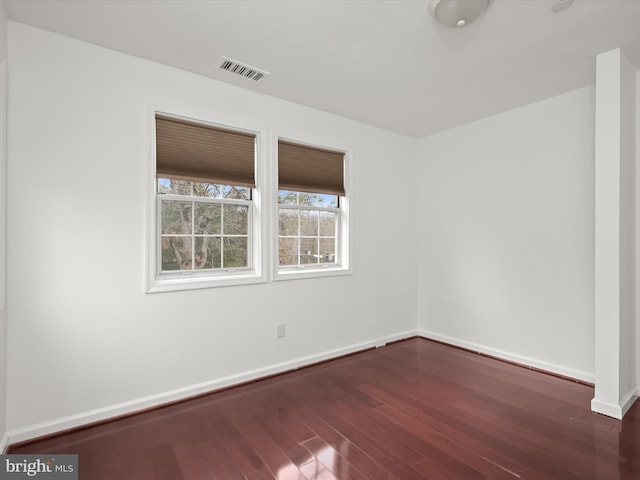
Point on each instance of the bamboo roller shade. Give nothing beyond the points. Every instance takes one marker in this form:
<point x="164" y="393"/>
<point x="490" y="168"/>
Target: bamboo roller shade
<point x="201" y="153"/>
<point x="309" y="169"/>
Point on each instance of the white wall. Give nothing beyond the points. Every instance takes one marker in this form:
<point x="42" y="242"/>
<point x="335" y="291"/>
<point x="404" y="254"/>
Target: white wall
<point x="3" y="311"/>
<point x="637" y="237"/>
<point x="3" y="32"/>
<point x="506" y="235"/>
<point x="85" y="342"/>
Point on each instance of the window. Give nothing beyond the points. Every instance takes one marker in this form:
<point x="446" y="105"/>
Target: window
<point x="312" y="211"/>
<point x="205" y="231"/>
<point x="203" y="227"/>
<point x="308" y="229"/>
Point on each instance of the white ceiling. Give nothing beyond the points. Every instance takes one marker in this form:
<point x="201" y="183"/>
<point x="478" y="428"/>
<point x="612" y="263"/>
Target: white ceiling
<point x="385" y="63"/>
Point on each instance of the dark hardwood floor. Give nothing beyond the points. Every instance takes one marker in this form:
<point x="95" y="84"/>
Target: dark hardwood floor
<point x="412" y="410"/>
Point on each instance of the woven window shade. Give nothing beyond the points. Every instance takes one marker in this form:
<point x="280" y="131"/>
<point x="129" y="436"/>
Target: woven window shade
<point x="201" y="153"/>
<point x="309" y="169"/>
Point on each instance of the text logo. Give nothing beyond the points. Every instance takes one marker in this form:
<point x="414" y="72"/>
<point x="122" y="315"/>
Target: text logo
<point x="50" y="467"/>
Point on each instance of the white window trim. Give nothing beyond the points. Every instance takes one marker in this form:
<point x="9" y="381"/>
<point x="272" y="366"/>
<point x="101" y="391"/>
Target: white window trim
<point x="3" y="184"/>
<point x="154" y="282"/>
<point x="345" y="228"/>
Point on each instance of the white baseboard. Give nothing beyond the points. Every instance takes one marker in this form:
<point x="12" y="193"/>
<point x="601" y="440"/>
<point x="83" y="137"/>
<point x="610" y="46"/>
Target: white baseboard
<point x="512" y="357"/>
<point x="396" y="337"/>
<point x="628" y="400"/>
<point x="140" y="404"/>
<point x="4" y="443"/>
<point x="605" y="408"/>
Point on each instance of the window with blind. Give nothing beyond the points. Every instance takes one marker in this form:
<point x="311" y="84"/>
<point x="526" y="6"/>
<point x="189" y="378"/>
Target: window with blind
<point x="204" y="197"/>
<point x="312" y="210"/>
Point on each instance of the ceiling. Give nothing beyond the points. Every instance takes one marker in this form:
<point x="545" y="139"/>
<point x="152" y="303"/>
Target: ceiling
<point x="385" y="63"/>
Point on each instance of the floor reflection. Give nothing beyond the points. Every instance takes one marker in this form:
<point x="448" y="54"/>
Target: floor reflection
<point x="324" y="462"/>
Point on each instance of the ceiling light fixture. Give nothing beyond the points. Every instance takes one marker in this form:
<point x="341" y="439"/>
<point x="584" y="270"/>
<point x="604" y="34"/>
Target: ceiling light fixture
<point x="457" y="13"/>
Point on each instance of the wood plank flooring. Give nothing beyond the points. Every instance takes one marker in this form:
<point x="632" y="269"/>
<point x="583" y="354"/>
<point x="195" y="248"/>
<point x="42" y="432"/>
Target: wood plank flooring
<point x="413" y="410"/>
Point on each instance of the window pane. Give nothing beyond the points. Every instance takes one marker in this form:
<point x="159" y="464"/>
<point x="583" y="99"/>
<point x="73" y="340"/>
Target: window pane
<point x="202" y="189"/>
<point x="235" y="252"/>
<point x="206" y="190"/>
<point x="235" y="219"/>
<point x="176" y="217"/>
<point x="221" y="191"/>
<point x="308" y="250"/>
<point x="328" y="224"/>
<point x="317" y="199"/>
<point x="287" y="197"/>
<point x="174" y="187"/>
<point x="288" y="251"/>
<point x="176" y="253"/>
<point x="207" y="253"/>
<point x="328" y="200"/>
<point x="327" y="250"/>
<point x="237" y="193"/>
<point x="308" y="223"/>
<point x="288" y="220"/>
<point x="308" y="199"/>
<point x="208" y="218"/>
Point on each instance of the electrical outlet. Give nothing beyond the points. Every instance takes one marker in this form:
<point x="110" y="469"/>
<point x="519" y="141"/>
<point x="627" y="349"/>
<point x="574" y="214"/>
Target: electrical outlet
<point x="280" y="332"/>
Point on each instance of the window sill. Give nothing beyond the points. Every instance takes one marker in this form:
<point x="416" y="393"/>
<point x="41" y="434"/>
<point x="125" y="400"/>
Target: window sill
<point x="173" y="284"/>
<point x="295" y="274"/>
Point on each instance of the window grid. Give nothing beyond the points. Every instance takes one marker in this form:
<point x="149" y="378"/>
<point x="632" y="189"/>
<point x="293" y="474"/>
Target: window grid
<point x="194" y="200"/>
<point x="299" y="237"/>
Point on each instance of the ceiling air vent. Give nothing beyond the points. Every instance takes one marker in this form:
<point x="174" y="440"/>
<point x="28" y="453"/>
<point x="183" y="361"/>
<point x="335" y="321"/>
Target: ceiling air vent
<point x="241" y="69"/>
